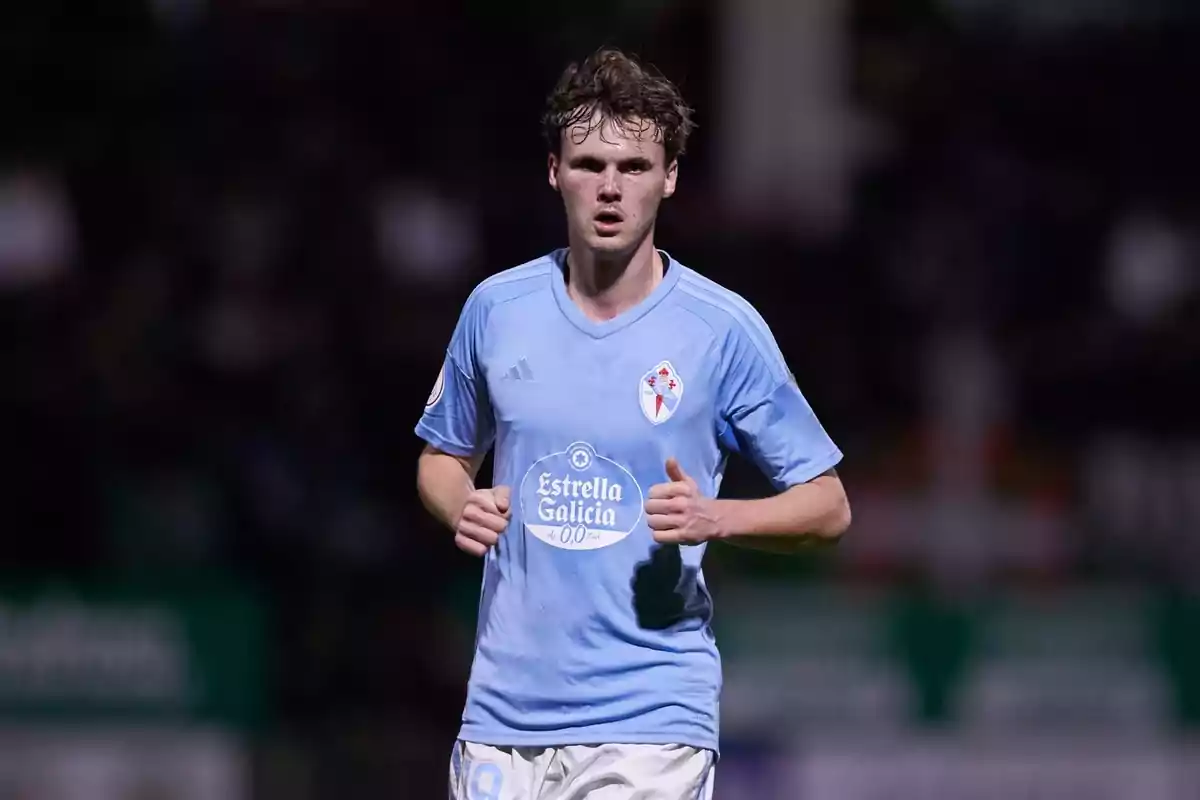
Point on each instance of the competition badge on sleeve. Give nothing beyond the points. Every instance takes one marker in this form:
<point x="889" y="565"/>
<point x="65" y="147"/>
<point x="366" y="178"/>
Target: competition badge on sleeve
<point x="438" y="387"/>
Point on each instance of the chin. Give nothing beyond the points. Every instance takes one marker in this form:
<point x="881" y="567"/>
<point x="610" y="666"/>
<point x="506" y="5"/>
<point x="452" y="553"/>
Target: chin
<point x="610" y="245"/>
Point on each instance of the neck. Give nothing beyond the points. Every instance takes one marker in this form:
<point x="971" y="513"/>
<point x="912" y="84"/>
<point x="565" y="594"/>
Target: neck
<point x="604" y="286"/>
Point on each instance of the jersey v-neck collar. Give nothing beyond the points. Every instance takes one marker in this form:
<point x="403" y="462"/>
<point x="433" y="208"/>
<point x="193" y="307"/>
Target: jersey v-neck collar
<point x="594" y="328"/>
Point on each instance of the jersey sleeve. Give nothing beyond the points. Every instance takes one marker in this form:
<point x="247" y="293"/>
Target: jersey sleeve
<point x="763" y="414"/>
<point x="458" y="414"/>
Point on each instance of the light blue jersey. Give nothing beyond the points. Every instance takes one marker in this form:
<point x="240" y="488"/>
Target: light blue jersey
<point x="589" y="632"/>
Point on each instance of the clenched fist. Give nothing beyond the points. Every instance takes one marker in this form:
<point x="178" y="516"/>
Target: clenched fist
<point x="678" y="513"/>
<point x="483" y="519"/>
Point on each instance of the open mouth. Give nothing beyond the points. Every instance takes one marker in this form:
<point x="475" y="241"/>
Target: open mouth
<point x="608" y="223"/>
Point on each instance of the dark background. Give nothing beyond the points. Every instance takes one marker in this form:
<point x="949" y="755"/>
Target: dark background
<point x="235" y="237"/>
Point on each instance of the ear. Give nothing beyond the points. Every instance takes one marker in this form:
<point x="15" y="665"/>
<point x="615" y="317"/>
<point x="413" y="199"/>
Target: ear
<point x="552" y="166"/>
<point x="672" y="177"/>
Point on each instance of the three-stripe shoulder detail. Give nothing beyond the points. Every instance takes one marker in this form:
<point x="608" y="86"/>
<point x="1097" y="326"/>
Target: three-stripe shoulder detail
<point x="514" y="283"/>
<point x="743" y="315"/>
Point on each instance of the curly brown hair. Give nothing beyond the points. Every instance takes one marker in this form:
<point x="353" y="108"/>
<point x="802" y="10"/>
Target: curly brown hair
<point x="623" y="90"/>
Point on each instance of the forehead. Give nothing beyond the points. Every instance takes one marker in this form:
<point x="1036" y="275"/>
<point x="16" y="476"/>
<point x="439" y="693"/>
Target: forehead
<point x="602" y="136"/>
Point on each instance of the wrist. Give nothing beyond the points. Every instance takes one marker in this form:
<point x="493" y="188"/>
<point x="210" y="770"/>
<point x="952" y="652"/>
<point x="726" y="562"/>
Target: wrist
<point x="455" y="512"/>
<point x="726" y="515"/>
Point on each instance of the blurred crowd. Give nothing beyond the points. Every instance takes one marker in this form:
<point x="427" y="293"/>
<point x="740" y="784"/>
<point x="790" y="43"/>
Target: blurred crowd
<point x="234" y="245"/>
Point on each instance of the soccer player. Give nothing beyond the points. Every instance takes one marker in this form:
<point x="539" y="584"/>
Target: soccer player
<point x="612" y="382"/>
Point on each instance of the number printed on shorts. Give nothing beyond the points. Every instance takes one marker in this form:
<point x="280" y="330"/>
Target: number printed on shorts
<point x="486" y="781"/>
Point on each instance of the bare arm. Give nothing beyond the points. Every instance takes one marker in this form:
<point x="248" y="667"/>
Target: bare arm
<point x="813" y="513"/>
<point x="444" y="482"/>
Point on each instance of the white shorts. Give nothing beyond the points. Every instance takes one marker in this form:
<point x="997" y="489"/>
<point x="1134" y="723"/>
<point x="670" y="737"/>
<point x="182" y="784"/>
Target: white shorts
<point x="581" y="772"/>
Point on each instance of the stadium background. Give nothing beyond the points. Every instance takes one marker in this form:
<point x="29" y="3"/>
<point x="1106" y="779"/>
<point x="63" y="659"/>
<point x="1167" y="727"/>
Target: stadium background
<point x="234" y="238"/>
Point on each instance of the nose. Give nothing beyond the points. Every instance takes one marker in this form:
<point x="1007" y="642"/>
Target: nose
<point x="610" y="187"/>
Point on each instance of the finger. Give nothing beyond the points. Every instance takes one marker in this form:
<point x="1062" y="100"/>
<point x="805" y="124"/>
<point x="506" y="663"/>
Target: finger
<point x="485" y="536"/>
<point x="675" y="471"/>
<point x="663" y="522"/>
<point x="666" y="505"/>
<point x="478" y="513"/>
<point x="660" y="491"/>
<point x="670" y="536"/>
<point x="468" y="545"/>
<point x="492" y="522"/>
<point x="503" y="498"/>
<point x="483" y="500"/>
<point x="657" y="506"/>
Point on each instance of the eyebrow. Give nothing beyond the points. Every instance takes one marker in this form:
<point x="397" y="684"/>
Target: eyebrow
<point x="632" y="161"/>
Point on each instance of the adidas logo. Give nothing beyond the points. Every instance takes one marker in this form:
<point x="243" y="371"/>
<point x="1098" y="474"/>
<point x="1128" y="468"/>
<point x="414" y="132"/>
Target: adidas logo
<point x="519" y="371"/>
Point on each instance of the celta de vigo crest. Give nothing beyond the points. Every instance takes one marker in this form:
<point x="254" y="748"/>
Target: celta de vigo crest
<point x="660" y="391"/>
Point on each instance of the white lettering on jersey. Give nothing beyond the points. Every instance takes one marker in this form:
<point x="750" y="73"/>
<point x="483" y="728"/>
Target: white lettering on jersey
<point x="578" y="500"/>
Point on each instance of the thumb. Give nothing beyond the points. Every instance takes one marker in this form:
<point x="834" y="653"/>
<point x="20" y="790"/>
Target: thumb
<point x="503" y="496"/>
<point x="674" y="471"/>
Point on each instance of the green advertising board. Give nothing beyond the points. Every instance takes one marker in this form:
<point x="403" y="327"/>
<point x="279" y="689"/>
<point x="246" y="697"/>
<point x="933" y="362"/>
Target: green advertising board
<point x="191" y="651"/>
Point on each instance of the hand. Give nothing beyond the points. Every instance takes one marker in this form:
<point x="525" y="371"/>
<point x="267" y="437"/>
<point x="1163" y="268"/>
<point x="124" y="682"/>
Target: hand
<point x="678" y="513"/>
<point x="484" y="517"/>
